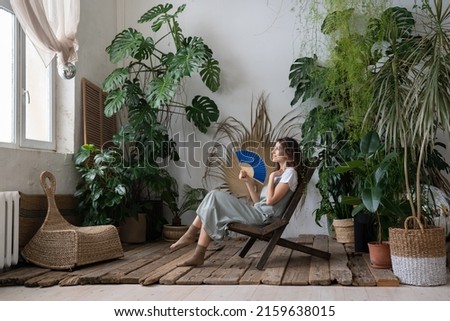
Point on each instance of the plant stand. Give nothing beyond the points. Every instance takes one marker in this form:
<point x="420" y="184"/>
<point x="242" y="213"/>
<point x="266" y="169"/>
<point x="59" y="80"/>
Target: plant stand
<point x="364" y="232"/>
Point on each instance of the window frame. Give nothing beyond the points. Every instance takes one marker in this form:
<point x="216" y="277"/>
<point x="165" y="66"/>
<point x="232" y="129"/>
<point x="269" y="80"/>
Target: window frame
<point x="21" y="95"/>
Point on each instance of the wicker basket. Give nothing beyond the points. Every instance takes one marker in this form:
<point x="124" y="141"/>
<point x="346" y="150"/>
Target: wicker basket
<point x="418" y="255"/>
<point x="60" y="245"/>
<point x="345" y="230"/>
<point x="172" y="233"/>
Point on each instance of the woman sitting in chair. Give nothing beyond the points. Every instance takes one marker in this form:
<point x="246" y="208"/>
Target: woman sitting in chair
<point x="218" y="208"/>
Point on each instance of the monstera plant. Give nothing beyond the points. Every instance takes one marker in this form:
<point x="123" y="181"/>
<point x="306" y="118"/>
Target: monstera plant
<point x="148" y="88"/>
<point x="150" y="83"/>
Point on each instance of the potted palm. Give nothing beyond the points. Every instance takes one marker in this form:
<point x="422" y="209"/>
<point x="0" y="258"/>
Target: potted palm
<point x="409" y="107"/>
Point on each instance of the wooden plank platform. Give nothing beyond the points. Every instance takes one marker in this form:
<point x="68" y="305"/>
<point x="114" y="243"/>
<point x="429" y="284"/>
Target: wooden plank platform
<point x="153" y="263"/>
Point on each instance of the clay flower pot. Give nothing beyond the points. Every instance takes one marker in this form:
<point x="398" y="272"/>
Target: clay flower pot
<point x="380" y="255"/>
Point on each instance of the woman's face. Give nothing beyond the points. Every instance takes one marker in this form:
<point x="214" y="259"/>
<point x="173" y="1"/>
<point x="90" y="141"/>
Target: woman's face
<point x="278" y="153"/>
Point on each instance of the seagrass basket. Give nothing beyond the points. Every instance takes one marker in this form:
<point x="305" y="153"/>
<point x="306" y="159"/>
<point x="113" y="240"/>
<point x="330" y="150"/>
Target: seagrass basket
<point x="418" y="254"/>
<point x="345" y="230"/>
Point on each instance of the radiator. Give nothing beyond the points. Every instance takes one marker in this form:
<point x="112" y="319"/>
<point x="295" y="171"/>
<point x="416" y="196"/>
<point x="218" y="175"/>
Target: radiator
<point x="9" y="229"/>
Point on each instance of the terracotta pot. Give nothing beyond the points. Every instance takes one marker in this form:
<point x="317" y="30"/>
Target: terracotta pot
<point x="380" y="255"/>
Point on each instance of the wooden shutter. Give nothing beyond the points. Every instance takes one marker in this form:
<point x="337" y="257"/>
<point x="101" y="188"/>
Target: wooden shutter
<point x="98" y="129"/>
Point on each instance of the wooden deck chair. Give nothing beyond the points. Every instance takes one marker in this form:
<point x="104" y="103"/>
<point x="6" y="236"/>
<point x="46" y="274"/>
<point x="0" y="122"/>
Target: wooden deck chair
<point x="272" y="232"/>
<point x="60" y="245"/>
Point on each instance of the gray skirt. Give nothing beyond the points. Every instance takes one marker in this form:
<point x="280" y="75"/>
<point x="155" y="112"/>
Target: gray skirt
<point x="219" y="208"/>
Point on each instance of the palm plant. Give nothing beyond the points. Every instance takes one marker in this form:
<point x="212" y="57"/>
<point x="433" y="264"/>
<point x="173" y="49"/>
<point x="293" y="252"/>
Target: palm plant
<point x="411" y="97"/>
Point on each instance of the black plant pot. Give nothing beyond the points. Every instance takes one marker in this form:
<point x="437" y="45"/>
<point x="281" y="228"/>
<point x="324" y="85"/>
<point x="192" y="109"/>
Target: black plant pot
<point x="364" y="232"/>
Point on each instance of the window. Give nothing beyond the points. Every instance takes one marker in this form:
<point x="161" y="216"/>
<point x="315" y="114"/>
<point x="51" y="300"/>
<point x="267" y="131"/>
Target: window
<point x="27" y="114"/>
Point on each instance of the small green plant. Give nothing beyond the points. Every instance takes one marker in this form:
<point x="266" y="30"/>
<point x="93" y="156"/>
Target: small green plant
<point x="378" y="184"/>
<point x="104" y="186"/>
<point x="192" y="198"/>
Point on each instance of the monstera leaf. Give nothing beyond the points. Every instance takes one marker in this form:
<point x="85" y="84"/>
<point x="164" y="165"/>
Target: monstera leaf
<point x="304" y="78"/>
<point x="130" y="43"/>
<point x="161" y="90"/>
<point x="210" y="74"/>
<point x="202" y="113"/>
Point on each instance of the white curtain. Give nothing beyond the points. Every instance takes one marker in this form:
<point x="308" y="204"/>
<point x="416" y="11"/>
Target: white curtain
<point x="51" y="25"/>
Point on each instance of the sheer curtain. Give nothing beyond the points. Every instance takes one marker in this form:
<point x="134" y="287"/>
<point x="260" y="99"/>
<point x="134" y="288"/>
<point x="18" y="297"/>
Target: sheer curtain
<point x="51" y="25"/>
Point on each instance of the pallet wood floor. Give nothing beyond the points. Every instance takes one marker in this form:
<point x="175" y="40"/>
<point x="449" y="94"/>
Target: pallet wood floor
<point x="152" y="263"/>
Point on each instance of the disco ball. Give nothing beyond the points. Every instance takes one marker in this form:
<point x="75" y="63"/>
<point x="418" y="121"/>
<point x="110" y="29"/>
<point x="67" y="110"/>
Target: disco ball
<point x="67" y="70"/>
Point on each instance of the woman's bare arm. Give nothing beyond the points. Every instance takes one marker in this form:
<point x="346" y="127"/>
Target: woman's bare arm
<point x="275" y="193"/>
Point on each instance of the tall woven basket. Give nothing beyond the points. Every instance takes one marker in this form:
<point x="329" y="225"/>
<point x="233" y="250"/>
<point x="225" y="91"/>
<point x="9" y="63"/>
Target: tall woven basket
<point x="418" y="254"/>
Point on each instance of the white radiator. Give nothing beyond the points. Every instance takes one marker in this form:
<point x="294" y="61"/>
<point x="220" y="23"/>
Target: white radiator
<point x="9" y="229"/>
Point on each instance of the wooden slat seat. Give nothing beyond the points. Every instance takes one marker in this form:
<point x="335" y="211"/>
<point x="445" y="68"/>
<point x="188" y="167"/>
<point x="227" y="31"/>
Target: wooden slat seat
<point x="272" y="232"/>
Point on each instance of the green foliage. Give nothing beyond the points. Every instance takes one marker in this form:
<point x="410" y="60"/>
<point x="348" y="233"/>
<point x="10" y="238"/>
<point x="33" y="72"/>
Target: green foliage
<point x="127" y="175"/>
<point x="411" y="84"/>
<point x="192" y="197"/>
<point x="324" y="138"/>
<point x="103" y="189"/>
<point x="344" y="81"/>
<point x="383" y="74"/>
<point x="114" y="186"/>
<point x="153" y="77"/>
<point x="378" y="183"/>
